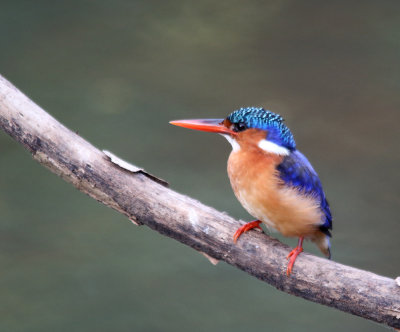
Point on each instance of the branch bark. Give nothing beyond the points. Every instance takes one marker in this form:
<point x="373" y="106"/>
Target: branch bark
<point x="145" y="200"/>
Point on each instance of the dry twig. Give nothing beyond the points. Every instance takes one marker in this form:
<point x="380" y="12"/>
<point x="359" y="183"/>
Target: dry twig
<point x="145" y="200"/>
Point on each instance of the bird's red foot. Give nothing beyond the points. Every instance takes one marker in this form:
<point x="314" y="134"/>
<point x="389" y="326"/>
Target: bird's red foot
<point x="293" y="255"/>
<point x="245" y="228"/>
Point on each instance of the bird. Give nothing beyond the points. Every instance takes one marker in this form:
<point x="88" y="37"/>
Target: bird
<point x="271" y="178"/>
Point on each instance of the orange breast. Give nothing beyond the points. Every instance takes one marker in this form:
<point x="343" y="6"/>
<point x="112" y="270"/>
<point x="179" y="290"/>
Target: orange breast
<point x="257" y="186"/>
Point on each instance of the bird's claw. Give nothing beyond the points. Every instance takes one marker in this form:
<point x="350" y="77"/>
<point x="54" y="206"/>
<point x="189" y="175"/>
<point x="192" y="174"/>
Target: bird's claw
<point x="292" y="258"/>
<point x="245" y="228"/>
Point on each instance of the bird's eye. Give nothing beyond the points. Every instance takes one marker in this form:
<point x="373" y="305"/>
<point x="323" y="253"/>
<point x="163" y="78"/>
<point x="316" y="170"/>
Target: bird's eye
<point x="240" y="126"/>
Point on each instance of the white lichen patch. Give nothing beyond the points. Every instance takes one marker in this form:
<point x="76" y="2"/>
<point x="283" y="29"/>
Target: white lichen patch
<point x="206" y="229"/>
<point x="193" y="217"/>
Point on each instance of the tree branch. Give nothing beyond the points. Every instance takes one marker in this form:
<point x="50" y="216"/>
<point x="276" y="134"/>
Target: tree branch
<point x="144" y="200"/>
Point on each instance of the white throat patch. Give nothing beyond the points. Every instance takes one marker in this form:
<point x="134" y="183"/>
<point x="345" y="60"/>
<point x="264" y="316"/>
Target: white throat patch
<point x="271" y="147"/>
<point x="234" y="143"/>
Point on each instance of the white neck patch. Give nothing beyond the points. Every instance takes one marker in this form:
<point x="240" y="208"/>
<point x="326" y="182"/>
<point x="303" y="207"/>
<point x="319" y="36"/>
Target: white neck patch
<point x="271" y="147"/>
<point x="234" y="143"/>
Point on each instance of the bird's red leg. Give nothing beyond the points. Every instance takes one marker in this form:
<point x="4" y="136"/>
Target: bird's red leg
<point x="293" y="255"/>
<point x="245" y="228"/>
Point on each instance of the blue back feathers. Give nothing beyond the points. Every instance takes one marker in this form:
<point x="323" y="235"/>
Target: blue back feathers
<point x="295" y="170"/>
<point x="255" y="117"/>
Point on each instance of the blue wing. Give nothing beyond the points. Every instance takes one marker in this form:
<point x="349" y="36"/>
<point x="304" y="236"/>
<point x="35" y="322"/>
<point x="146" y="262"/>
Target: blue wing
<point x="296" y="171"/>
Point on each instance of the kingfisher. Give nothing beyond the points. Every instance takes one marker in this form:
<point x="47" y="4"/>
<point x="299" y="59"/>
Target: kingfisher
<point x="272" y="180"/>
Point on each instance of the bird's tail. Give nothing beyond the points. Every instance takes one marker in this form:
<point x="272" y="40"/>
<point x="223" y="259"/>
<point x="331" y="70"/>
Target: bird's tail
<point x="323" y="242"/>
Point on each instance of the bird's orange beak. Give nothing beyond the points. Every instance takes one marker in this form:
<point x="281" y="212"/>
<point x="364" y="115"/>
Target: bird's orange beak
<point x="210" y="125"/>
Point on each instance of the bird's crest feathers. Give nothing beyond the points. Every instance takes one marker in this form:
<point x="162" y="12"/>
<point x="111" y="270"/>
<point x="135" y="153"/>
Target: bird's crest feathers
<point x="256" y="117"/>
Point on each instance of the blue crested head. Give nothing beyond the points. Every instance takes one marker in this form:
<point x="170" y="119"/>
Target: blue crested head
<point x="256" y="117"/>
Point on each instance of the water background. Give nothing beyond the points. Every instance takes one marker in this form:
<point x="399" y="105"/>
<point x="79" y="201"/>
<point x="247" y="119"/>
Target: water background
<point x="117" y="72"/>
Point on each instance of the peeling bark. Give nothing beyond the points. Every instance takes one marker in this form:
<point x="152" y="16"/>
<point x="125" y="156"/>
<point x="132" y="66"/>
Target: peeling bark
<point x="144" y="200"/>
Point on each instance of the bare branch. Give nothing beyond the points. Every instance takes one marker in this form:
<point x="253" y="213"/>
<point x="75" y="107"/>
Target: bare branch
<point x="144" y="200"/>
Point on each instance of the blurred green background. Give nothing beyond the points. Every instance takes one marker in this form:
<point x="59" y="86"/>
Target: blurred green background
<point x="117" y="72"/>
